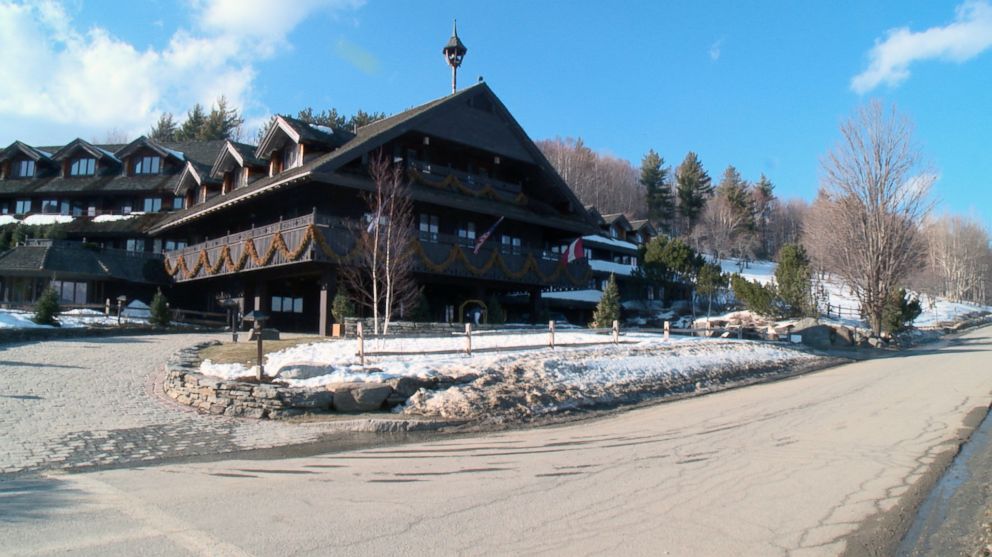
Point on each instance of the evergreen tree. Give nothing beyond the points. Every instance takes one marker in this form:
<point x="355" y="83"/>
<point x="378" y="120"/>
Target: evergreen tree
<point x="223" y="122"/>
<point x="694" y="187"/>
<point x="608" y="308"/>
<point x="763" y="203"/>
<point x="756" y="297"/>
<point x="735" y="190"/>
<point x="165" y="129"/>
<point x="899" y="311"/>
<point x="46" y="310"/>
<point x="362" y="118"/>
<point x="709" y="280"/>
<point x="342" y="306"/>
<point x="794" y="280"/>
<point x="496" y="315"/>
<point x="196" y="119"/>
<point x="7" y="237"/>
<point x="654" y="178"/>
<point x="421" y="312"/>
<point x="159" y="310"/>
<point x="329" y="118"/>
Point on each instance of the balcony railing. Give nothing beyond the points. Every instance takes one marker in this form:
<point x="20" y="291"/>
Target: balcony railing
<point x="318" y="238"/>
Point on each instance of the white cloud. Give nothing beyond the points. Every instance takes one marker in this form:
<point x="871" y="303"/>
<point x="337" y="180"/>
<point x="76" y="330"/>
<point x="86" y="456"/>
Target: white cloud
<point x="715" y="50"/>
<point x="88" y="81"/>
<point x="968" y="36"/>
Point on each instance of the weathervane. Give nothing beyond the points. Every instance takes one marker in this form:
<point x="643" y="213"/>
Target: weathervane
<point x="454" y="52"/>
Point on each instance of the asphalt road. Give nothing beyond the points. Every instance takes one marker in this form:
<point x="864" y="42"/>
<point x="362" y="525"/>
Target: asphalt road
<point x="809" y="466"/>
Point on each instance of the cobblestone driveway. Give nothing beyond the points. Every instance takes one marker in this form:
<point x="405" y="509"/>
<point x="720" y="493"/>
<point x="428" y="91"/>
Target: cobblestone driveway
<point x="89" y="402"/>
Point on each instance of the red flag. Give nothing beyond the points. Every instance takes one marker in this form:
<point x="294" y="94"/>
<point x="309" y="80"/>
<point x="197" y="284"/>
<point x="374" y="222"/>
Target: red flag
<point x="482" y="239"/>
<point x="573" y="252"/>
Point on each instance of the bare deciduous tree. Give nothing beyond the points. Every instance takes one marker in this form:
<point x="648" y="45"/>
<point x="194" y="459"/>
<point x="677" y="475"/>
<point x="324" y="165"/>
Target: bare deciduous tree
<point x="959" y="260"/>
<point x="610" y="183"/>
<point x="381" y="276"/>
<point x="874" y="192"/>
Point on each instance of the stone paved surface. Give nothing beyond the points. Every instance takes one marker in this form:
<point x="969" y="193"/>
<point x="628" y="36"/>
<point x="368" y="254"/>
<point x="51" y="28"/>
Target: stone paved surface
<point x="89" y="402"/>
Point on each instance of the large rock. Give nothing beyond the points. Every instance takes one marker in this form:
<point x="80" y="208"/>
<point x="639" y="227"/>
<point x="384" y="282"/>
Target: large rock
<point x="406" y="386"/>
<point x="309" y="399"/>
<point x="360" y="397"/>
<point x="303" y="371"/>
<point x="817" y="337"/>
<point x="843" y="336"/>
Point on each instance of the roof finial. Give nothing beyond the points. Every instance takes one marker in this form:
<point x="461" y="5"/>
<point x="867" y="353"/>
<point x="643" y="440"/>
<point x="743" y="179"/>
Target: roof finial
<point x="454" y="52"/>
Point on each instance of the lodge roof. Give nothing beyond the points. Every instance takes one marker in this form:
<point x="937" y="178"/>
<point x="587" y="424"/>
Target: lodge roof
<point x="514" y="144"/>
<point x="73" y="260"/>
<point x="617" y="218"/>
<point x="643" y="224"/>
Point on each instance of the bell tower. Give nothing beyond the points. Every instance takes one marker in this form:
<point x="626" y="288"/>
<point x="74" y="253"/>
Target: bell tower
<point x="454" y="52"/>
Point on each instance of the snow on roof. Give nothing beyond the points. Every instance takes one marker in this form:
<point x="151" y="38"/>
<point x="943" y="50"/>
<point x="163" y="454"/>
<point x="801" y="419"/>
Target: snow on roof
<point x="590" y="295"/>
<point x="108" y="153"/>
<point x="113" y="218"/>
<point x="47" y="219"/>
<point x="611" y="267"/>
<point x="7" y="219"/>
<point x="177" y="154"/>
<point x="599" y="239"/>
<point x="324" y="129"/>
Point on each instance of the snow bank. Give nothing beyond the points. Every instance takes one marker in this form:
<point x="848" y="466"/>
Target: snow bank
<point x="70" y="319"/>
<point x="47" y="219"/>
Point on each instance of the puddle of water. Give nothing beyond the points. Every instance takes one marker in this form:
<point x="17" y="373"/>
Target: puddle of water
<point x="922" y="538"/>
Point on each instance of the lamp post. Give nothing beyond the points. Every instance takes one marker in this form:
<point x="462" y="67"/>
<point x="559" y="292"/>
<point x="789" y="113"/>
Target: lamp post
<point x="120" y="307"/>
<point x="232" y="307"/>
<point x="258" y="318"/>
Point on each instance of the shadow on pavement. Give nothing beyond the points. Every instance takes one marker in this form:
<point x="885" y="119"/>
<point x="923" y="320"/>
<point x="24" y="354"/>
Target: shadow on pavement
<point x="32" y="498"/>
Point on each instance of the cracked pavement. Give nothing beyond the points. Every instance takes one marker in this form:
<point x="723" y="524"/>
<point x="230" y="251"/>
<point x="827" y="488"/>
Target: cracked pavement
<point x="793" y="467"/>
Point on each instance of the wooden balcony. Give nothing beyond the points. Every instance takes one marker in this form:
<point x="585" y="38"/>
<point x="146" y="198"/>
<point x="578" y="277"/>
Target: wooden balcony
<point x="318" y="238"/>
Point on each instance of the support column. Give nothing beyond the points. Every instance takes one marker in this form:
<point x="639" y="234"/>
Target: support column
<point x="535" y="301"/>
<point x="262" y="300"/>
<point x="328" y="286"/>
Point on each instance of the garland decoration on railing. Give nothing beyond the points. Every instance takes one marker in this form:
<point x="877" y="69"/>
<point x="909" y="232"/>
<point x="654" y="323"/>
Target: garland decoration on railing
<point x="224" y="261"/>
<point x="278" y="245"/>
<point x="451" y="182"/>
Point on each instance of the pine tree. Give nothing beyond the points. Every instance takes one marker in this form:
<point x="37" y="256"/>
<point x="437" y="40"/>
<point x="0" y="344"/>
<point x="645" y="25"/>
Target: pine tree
<point x="165" y="129"/>
<point x="654" y="178"/>
<point x="763" y="203"/>
<point x="794" y="280"/>
<point x="738" y="194"/>
<point x="223" y="122"/>
<point x="608" y="308"/>
<point x="46" y="310"/>
<point x="694" y="188"/>
<point x="192" y="126"/>
<point x="342" y="306"/>
<point x="495" y="313"/>
<point x="900" y="311"/>
<point x="159" y="310"/>
<point x="709" y="279"/>
<point x="329" y="118"/>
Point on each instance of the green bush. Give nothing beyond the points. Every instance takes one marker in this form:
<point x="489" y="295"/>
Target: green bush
<point x="794" y="280"/>
<point x="342" y="306"/>
<point x="159" y="310"/>
<point x="495" y="313"/>
<point x="608" y="308"/>
<point x="421" y="312"/>
<point x="755" y="296"/>
<point x="899" y="311"/>
<point x="46" y="310"/>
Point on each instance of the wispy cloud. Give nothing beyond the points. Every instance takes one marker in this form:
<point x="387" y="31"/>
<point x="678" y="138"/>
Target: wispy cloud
<point x="363" y="60"/>
<point x="967" y="36"/>
<point x="89" y="81"/>
<point x="715" y="50"/>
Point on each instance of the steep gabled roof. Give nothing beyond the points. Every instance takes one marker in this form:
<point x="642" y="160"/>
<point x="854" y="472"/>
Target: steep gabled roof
<point x="378" y="133"/>
<point x="618" y="219"/>
<point x="158" y="148"/>
<point x="643" y="225"/>
<point x="235" y="154"/>
<point x="299" y="131"/>
<point x="37" y="155"/>
<point x="193" y="175"/>
<point x="81" y="144"/>
<point x="594" y="215"/>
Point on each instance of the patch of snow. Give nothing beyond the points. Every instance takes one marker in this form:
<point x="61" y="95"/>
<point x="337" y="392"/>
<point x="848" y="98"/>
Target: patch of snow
<point x="177" y="154"/>
<point x="47" y="219"/>
<point x="113" y="218"/>
<point x="612" y="242"/>
<point x="13" y="319"/>
<point x="136" y="308"/>
<point x="761" y="271"/>
<point x="611" y="267"/>
<point x="323" y="129"/>
<point x="8" y="219"/>
<point x="588" y="295"/>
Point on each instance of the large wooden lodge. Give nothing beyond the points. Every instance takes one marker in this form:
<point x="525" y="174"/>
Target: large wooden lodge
<point x="267" y="225"/>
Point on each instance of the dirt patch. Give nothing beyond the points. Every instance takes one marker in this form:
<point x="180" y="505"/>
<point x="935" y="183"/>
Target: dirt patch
<point x="247" y="351"/>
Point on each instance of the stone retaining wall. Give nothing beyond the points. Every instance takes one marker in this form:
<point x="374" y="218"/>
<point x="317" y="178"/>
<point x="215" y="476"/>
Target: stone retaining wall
<point x="184" y="384"/>
<point x="12" y="336"/>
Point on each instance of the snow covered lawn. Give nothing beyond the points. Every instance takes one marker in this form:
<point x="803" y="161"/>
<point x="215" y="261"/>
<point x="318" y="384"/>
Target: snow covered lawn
<point x="519" y="384"/>
<point x="75" y="318"/>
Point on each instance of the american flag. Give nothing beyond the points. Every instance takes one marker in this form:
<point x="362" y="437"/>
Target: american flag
<point x="482" y="239"/>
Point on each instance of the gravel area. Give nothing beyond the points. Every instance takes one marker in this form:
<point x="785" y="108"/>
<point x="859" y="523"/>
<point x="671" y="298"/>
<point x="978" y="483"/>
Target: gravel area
<point x="89" y="402"/>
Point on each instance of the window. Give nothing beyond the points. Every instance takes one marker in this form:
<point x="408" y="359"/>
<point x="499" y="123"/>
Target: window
<point x="173" y="245"/>
<point x="25" y="169"/>
<point x="286" y="304"/>
<point x="428" y="227"/>
<point x="135" y="244"/>
<point x="613" y="232"/>
<point x="22" y="207"/>
<point x="91" y="210"/>
<point x="70" y="292"/>
<point x="290" y="156"/>
<point x="64" y="207"/>
<point x="77" y="208"/>
<point x="148" y="165"/>
<point x="50" y="206"/>
<point x="587" y="252"/>
<point x="153" y="204"/>
<point x="126" y="207"/>
<point x="83" y="167"/>
<point x="511" y="244"/>
<point x="651" y="293"/>
<point x="177" y="202"/>
<point x="466" y="234"/>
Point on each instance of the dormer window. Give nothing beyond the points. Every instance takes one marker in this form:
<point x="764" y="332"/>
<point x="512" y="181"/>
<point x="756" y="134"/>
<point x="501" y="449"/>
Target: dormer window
<point x="25" y="169"/>
<point x="290" y="156"/>
<point x="83" y="167"/>
<point x="148" y="165"/>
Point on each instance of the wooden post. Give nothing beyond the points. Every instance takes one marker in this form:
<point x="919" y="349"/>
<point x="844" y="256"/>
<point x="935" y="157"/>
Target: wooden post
<point x="668" y="327"/>
<point x="258" y="334"/>
<point x="551" y="334"/>
<point x="616" y="332"/>
<point x="106" y="308"/>
<point x="740" y="331"/>
<point x="361" y="343"/>
<point x="468" y="339"/>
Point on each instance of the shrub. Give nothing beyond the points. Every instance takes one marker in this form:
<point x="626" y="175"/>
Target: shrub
<point x="496" y="315"/>
<point x="900" y="311"/>
<point x="342" y="306"/>
<point x="794" y="279"/>
<point x="159" y="310"/>
<point x="421" y="312"/>
<point x="46" y="310"/>
<point x="608" y="308"/>
<point x="755" y="296"/>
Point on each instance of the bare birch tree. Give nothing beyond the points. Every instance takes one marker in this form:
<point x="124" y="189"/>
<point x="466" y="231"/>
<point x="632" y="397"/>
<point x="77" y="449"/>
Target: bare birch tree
<point x="959" y="260"/>
<point x="607" y="182"/>
<point x="381" y="275"/>
<point x="874" y="192"/>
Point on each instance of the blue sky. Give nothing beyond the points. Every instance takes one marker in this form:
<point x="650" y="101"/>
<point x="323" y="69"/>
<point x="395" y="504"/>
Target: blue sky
<point x="762" y="86"/>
